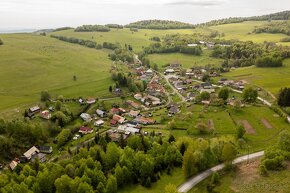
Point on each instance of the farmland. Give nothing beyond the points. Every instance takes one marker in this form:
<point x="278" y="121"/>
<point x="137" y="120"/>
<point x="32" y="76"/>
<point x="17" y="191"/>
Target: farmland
<point x="30" y="64"/>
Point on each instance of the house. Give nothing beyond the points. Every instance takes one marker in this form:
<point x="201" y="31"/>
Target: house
<point x="51" y="109"/>
<point x="205" y="102"/>
<point x="149" y="72"/>
<point x="156" y="103"/>
<point x="133" y="113"/>
<point x="133" y="104"/>
<point x="45" y="149"/>
<point x="13" y="164"/>
<point x="101" y="113"/>
<point x="45" y="115"/>
<point x="126" y="129"/>
<point x="169" y="71"/>
<point x="138" y="96"/>
<point x="99" y="123"/>
<point x="174" y="109"/>
<point x="91" y="101"/>
<point x="115" y="111"/>
<point x="206" y="85"/>
<point x="113" y="122"/>
<point x="209" y="90"/>
<point x="119" y="119"/>
<point x="115" y="136"/>
<point x="144" y="120"/>
<point x="33" y="110"/>
<point x="85" y="130"/>
<point x="122" y="110"/>
<point x="31" y="152"/>
<point x="191" y="45"/>
<point x="81" y="101"/>
<point x="86" y="117"/>
<point x="190" y="96"/>
<point x="175" y="65"/>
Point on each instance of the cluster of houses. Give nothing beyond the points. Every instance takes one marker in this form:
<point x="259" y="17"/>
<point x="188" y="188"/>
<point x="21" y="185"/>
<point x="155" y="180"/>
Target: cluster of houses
<point x="209" y="45"/>
<point x="46" y="114"/>
<point x="31" y="155"/>
<point x="148" y="99"/>
<point x="143" y="73"/>
<point x="239" y="84"/>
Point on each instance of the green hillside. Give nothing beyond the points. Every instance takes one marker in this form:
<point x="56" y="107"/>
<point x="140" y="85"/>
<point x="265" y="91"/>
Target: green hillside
<point x="30" y="64"/>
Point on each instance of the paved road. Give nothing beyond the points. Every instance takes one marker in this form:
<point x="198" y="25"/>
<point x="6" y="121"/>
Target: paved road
<point x="189" y="184"/>
<point x="173" y="88"/>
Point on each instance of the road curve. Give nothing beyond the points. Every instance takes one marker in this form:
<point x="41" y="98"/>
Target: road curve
<point x="189" y="184"/>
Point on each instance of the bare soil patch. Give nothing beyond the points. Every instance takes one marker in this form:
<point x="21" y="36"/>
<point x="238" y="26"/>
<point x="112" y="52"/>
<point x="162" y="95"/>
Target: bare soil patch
<point x="266" y="123"/>
<point x="248" y="127"/>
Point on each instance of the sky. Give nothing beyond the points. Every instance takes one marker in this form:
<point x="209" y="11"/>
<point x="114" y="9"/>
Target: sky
<point x="43" y="14"/>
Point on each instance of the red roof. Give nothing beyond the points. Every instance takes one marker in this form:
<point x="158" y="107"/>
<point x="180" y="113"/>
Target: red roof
<point x="85" y="129"/>
<point x="113" y="122"/>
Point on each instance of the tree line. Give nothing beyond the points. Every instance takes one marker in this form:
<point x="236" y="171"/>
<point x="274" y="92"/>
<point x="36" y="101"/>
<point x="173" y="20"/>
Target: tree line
<point x="282" y="27"/>
<point x="284" y="15"/>
<point x="116" y="26"/>
<point x="92" y="28"/>
<point x="159" y="24"/>
<point x="88" y="43"/>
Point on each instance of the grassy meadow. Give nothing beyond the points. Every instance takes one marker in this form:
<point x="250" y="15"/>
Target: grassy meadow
<point x="124" y="36"/>
<point x="271" y="79"/>
<point x="186" y="60"/>
<point x="30" y="64"/>
<point x="243" y="32"/>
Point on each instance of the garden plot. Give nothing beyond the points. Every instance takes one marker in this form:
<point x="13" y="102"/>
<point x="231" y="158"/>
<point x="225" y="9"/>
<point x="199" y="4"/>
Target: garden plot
<point x="248" y="127"/>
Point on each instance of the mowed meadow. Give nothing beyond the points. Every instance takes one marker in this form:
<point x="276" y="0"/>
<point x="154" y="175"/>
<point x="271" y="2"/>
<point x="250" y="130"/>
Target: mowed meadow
<point x="30" y="64"/>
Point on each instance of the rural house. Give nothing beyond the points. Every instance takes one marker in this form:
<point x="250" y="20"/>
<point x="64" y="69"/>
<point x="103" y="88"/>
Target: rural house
<point x="101" y="113"/>
<point x="45" y="149"/>
<point x="86" y="117"/>
<point x="45" y="115"/>
<point x="85" y="130"/>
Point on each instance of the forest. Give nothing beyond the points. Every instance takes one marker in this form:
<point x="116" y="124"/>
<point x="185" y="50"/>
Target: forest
<point x="159" y="24"/>
<point x="282" y="27"/>
<point x="91" y="28"/>
<point x="284" y="15"/>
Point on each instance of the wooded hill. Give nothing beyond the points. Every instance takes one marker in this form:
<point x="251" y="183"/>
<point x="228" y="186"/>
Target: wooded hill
<point x="159" y="24"/>
<point x="284" y="15"/>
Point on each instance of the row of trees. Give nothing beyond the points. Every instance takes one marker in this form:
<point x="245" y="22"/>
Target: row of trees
<point x="202" y="154"/>
<point x="102" y="168"/>
<point x="116" y="26"/>
<point x="87" y="43"/>
<point x="242" y="54"/>
<point x="91" y="28"/>
<point x="284" y="97"/>
<point x="275" y="156"/>
<point x="274" y="27"/>
<point x="159" y="24"/>
<point x="284" y="15"/>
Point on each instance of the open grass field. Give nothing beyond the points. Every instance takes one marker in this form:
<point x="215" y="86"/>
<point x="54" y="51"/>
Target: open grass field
<point x="124" y="36"/>
<point x="246" y="179"/>
<point x="30" y="64"/>
<point x="186" y="60"/>
<point x="271" y="79"/>
<point x="243" y="32"/>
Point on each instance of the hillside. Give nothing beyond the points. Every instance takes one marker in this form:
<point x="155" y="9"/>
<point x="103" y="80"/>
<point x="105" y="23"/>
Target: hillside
<point x="159" y="24"/>
<point x="284" y="15"/>
<point x="30" y="64"/>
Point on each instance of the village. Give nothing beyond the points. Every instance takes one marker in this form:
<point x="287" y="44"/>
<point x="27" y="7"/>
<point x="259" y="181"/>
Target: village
<point x="123" y="120"/>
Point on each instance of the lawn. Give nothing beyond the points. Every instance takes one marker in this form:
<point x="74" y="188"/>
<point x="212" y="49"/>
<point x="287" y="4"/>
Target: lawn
<point x="186" y="60"/>
<point x="271" y="79"/>
<point x="30" y="64"/>
<point x="175" y="178"/>
<point x="124" y="36"/>
<point x="243" y="32"/>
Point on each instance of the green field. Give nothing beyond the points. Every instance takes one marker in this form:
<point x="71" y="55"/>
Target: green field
<point x="186" y="60"/>
<point x="271" y="79"/>
<point x="243" y="32"/>
<point x="30" y="64"/>
<point x="124" y="36"/>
